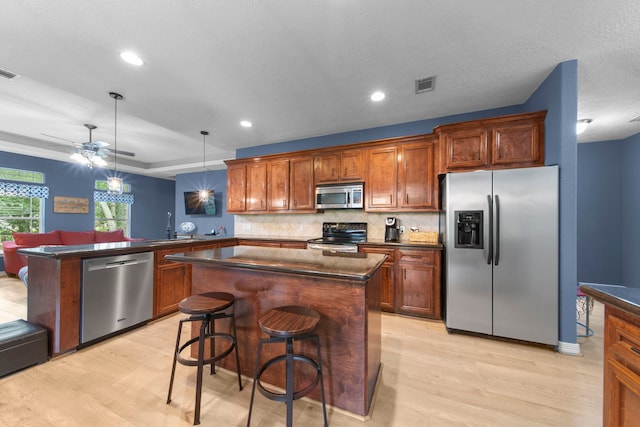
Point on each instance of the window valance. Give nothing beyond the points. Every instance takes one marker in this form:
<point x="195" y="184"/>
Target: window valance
<point x="24" y="190"/>
<point x="103" y="196"/>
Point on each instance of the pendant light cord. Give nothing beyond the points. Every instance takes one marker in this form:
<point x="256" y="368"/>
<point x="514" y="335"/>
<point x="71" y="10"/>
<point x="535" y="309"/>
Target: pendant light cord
<point x="116" y="97"/>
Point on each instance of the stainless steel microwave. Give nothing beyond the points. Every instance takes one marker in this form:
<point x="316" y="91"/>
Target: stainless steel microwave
<point x="341" y="196"/>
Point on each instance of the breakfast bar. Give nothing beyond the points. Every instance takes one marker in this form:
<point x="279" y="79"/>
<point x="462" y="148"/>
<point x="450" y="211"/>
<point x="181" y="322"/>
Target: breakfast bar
<point x="343" y="288"/>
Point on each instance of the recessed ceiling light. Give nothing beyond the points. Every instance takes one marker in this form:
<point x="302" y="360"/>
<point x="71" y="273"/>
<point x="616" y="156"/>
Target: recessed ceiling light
<point x="246" y="124"/>
<point x="132" y="58"/>
<point x="377" y="96"/>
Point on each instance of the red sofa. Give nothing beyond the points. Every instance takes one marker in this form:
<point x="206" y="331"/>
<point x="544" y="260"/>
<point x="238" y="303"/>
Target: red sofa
<point x="13" y="261"/>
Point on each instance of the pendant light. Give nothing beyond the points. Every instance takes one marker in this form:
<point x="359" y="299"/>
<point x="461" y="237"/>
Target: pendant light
<point x="203" y="194"/>
<point x="114" y="183"/>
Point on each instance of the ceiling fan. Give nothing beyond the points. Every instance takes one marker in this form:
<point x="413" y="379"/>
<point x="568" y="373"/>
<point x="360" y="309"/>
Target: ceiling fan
<point x="92" y="153"/>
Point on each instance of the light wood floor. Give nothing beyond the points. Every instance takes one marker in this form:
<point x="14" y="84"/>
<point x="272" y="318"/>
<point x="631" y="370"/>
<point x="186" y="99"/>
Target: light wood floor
<point x="429" y="378"/>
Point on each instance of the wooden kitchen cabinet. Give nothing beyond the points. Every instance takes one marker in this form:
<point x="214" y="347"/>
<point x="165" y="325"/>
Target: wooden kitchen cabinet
<point x="302" y="190"/>
<point x="278" y="185"/>
<point x="172" y="282"/>
<point x="236" y="188"/>
<point x="256" y="187"/>
<point x="621" y="368"/>
<point x="381" y="187"/>
<point x="339" y="166"/>
<point x="411" y="281"/>
<point x="418" y="291"/>
<point x="387" y="291"/>
<point x="498" y="143"/>
<point x="417" y="179"/>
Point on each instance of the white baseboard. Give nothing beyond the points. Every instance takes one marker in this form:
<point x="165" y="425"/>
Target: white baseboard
<point x="568" y="348"/>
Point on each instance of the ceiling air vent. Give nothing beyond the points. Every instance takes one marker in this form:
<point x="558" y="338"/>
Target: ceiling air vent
<point x="637" y="119"/>
<point x="7" y="74"/>
<point x="425" y="85"/>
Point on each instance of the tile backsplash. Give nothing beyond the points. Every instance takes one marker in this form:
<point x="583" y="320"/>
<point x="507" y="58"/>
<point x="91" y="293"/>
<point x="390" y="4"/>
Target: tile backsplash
<point x="307" y="226"/>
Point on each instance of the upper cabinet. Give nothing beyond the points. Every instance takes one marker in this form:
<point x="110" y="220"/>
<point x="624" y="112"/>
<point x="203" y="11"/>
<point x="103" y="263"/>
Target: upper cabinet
<point x="499" y="143"/>
<point x="277" y="185"/>
<point x="236" y="187"/>
<point x="338" y="166"/>
<point x="401" y="176"/>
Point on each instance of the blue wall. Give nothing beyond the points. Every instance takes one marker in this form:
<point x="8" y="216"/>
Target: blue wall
<point x="212" y="180"/>
<point x="559" y="95"/>
<point x="631" y="211"/>
<point x="153" y="197"/>
<point x="600" y="213"/>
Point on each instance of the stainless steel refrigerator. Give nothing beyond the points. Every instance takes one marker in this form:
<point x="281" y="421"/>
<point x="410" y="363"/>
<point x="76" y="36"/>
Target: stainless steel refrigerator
<point x="502" y="253"/>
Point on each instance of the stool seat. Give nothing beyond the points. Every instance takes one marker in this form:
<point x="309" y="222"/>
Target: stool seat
<point x="289" y="321"/>
<point x="208" y="302"/>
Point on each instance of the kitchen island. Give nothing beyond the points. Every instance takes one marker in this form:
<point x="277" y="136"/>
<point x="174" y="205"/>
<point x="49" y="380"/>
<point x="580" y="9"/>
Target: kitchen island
<point x="621" y="397"/>
<point x="343" y="288"/>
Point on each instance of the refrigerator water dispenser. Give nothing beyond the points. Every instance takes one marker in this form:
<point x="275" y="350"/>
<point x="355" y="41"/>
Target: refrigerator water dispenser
<point x="468" y="229"/>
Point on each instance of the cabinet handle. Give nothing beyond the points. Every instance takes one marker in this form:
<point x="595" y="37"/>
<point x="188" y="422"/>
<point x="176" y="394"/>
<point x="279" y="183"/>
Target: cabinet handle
<point x="284" y="203"/>
<point x="407" y="198"/>
<point x="635" y="350"/>
<point x="345" y="172"/>
<point x="333" y="171"/>
<point x="390" y="198"/>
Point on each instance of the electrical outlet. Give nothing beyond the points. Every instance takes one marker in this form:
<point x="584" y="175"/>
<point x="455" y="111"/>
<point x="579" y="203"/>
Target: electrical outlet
<point x="402" y="229"/>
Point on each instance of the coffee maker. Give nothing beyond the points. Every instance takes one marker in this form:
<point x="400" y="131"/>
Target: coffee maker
<point x="391" y="232"/>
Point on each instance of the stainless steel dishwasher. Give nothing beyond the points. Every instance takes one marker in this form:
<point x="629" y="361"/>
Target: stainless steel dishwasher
<point x="117" y="292"/>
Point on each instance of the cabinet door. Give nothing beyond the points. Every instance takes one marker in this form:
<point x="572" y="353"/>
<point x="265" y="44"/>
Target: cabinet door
<point x="326" y="168"/>
<point x="381" y="187"/>
<point x="418" y="291"/>
<point x="173" y="284"/>
<point x="236" y="188"/>
<point x="387" y="291"/>
<point x="256" y="187"/>
<point x="301" y="185"/>
<point x="351" y="165"/>
<point x="416" y="176"/>
<point x="278" y="185"/>
<point x="517" y="145"/>
<point x="464" y="149"/>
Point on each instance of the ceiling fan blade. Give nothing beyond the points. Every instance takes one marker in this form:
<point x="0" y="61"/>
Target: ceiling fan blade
<point x="100" y="144"/>
<point x="120" y="152"/>
<point x="57" y="137"/>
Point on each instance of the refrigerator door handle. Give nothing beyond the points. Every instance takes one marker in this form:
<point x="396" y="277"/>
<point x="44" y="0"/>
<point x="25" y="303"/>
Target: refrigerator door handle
<point x="497" y="242"/>
<point x="490" y="256"/>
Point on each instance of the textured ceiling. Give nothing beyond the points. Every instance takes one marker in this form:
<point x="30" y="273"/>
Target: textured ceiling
<point x="295" y="68"/>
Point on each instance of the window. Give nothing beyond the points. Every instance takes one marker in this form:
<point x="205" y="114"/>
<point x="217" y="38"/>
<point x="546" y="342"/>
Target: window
<point x="21" y="205"/>
<point x="112" y="212"/>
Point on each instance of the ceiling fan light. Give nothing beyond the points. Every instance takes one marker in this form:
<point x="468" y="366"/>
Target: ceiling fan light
<point x="79" y="158"/>
<point x="98" y="161"/>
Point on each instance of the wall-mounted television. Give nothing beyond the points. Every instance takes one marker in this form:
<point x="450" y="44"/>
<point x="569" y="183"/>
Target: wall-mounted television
<point x="194" y="206"/>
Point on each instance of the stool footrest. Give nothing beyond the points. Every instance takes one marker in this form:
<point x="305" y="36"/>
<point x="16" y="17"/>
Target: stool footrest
<point x="297" y="394"/>
<point x="194" y="362"/>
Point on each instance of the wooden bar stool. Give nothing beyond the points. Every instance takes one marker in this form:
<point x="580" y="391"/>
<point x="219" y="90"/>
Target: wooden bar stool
<point x="286" y="325"/>
<point x="205" y="308"/>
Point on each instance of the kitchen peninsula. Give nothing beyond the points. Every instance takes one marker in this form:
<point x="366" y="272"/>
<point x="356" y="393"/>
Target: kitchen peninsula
<point x="343" y="288"/>
<point x="55" y="282"/>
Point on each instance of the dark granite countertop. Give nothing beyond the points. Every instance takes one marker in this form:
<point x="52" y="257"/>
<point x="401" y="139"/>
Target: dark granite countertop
<point x="357" y="266"/>
<point x="403" y="243"/>
<point x="624" y="298"/>
<point x="115" y="248"/>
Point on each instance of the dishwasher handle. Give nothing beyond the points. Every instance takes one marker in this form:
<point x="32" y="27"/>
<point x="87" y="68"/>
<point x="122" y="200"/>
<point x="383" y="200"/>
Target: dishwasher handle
<point x="115" y="264"/>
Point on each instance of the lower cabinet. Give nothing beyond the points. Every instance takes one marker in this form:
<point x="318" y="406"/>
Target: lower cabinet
<point x="410" y="280"/>
<point x="621" y="368"/>
<point x="172" y="280"/>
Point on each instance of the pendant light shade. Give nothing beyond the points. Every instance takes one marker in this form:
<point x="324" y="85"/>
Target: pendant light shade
<point x="203" y="194"/>
<point x="114" y="183"/>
